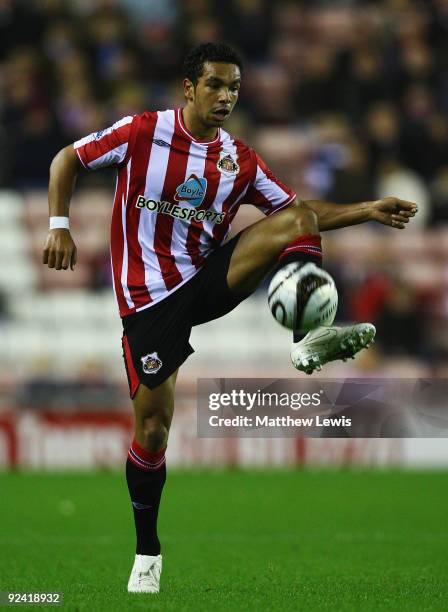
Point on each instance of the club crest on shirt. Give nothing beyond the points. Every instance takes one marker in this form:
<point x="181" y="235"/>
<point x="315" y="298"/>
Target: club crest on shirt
<point x="227" y="163"/>
<point x="192" y="190"/>
<point x="151" y="363"/>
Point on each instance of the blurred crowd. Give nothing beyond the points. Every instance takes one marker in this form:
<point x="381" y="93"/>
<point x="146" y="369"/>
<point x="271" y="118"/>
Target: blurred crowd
<point x="362" y="86"/>
<point x="346" y="99"/>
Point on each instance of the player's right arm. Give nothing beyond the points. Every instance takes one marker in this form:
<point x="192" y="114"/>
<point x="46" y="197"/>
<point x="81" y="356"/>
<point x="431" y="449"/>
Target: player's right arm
<point x="106" y="148"/>
<point x="60" y="250"/>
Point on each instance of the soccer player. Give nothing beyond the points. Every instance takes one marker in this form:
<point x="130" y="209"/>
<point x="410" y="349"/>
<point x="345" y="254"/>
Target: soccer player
<point x="181" y="180"/>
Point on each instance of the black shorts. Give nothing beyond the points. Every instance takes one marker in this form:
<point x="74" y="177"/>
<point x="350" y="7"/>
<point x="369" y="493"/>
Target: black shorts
<point x="156" y="339"/>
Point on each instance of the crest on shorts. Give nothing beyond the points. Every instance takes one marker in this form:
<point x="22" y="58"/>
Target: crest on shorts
<point x="227" y="163"/>
<point x="151" y="363"/>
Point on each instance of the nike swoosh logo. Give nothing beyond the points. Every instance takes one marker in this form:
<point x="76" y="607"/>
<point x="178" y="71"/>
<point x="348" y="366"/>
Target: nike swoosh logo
<point x="139" y="506"/>
<point x="323" y="334"/>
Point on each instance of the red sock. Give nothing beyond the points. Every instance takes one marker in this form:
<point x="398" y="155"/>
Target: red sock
<point x="303" y="250"/>
<point x="310" y="245"/>
<point x="145" y="476"/>
<point x="145" y="460"/>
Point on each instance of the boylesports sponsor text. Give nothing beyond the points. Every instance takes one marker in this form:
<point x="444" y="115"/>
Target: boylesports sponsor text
<point x="178" y="211"/>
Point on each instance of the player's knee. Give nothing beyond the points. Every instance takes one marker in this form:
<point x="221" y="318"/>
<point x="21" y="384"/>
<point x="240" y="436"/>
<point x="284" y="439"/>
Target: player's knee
<point x="288" y="225"/>
<point x="297" y="220"/>
<point x="154" y="434"/>
<point x="302" y="220"/>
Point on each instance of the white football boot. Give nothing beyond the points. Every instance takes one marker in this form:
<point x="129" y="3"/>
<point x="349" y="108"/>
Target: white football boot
<point x="325" y="344"/>
<point x="145" y="575"/>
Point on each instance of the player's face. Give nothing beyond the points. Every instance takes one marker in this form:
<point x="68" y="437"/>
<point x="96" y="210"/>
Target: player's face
<point x="216" y="92"/>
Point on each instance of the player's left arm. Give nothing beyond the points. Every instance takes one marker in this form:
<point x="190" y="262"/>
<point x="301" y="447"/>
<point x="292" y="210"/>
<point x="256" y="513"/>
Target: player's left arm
<point x="388" y="211"/>
<point x="270" y="195"/>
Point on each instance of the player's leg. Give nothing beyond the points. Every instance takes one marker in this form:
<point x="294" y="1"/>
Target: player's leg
<point x="289" y="236"/>
<point x="153" y="409"/>
<point x="146" y="475"/>
<point x="235" y="270"/>
<point x="155" y="344"/>
<point x="262" y="244"/>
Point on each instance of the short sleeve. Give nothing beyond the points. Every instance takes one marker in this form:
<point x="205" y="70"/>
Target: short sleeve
<point x="266" y="192"/>
<point x="107" y="147"/>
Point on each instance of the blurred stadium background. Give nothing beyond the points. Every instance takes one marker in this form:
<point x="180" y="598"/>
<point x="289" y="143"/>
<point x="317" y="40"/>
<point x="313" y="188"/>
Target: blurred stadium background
<point x="346" y="101"/>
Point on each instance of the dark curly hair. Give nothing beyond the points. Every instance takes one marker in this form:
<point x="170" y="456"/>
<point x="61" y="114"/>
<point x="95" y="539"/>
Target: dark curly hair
<point x="209" y="52"/>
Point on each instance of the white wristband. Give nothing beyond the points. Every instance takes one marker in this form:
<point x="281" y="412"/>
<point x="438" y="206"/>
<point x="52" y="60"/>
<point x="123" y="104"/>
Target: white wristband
<point x="59" y="223"/>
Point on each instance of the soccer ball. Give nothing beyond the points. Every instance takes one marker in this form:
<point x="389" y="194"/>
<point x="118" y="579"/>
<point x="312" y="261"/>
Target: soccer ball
<point x="303" y="297"/>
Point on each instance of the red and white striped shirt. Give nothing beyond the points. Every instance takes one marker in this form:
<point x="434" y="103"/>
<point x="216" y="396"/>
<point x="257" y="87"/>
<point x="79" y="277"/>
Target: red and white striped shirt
<point x="175" y="199"/>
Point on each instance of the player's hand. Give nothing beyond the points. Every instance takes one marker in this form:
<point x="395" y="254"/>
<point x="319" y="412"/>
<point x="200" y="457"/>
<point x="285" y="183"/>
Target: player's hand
<point x="393" y="212"/>
<point x="59" y="250"/>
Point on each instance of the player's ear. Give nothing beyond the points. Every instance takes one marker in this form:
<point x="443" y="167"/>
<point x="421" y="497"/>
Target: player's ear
<point x="188" y="90"/>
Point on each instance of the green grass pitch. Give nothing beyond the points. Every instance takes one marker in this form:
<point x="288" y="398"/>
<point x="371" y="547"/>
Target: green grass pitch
<point x="266" y="540"/>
